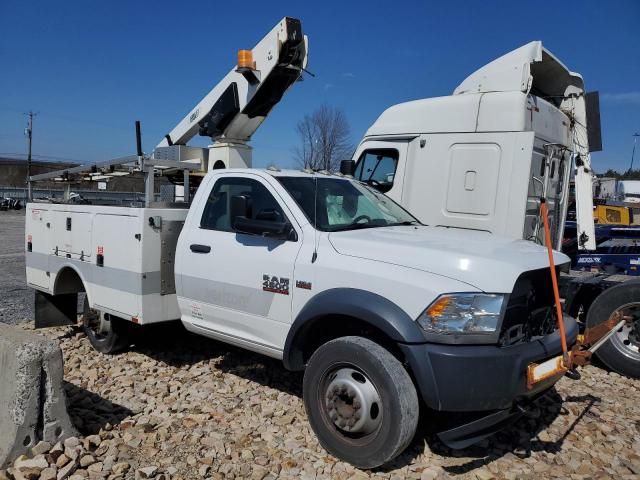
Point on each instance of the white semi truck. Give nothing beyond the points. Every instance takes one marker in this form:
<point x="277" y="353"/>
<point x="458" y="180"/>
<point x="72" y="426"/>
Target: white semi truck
<point x="319" y="270"/>
<point x="512" y="133"/>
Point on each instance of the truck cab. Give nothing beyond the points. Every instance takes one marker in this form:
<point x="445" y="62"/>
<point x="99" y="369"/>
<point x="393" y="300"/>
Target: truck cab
<point x="483" y="157"/>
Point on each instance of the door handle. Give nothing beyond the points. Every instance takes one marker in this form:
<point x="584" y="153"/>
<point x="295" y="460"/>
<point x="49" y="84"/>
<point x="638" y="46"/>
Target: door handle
<point x="197" y="248"/>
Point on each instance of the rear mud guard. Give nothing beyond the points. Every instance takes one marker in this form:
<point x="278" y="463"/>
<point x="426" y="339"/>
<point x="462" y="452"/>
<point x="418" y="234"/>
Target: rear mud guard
<point x="55" y="310"/>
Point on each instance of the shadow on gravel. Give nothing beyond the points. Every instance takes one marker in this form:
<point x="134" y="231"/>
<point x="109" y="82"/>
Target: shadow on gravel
<point x="521" y="439"/>
<point x="173" y="345"/>
<point x="89" y="412"/>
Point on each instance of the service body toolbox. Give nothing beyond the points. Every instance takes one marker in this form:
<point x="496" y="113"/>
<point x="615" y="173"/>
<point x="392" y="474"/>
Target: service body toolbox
<point x="124" y="256"/>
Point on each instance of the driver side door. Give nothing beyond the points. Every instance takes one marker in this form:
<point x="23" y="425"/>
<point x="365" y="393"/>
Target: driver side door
<point x="239" y="285"/>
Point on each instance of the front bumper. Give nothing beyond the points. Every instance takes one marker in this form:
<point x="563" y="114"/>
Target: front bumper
<point x="472" y="378"/>
<point x="488" y="380"/>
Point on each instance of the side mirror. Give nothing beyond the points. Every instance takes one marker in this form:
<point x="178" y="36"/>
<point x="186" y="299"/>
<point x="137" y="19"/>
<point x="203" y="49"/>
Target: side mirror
<point x="594" y="133"/>
<point x="347" y="167"/>
<point x="240" y="207"/>
<point x="265" y="228"/>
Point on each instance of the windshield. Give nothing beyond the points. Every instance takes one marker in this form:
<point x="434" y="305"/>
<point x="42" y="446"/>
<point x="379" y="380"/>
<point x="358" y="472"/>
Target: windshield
<point x="344" y="205"/>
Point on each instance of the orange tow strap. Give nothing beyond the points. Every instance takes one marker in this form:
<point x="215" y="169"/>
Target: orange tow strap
<point x="544" y="212"/>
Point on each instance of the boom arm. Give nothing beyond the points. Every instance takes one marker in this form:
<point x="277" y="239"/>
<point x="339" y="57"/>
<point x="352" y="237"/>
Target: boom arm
<point x="238" y="104"/>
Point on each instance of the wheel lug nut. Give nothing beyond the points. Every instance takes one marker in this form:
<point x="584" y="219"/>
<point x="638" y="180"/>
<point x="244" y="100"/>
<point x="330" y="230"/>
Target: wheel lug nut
<point x="357" y="405"/>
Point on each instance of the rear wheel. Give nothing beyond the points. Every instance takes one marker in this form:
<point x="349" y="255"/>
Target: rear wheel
<point x="360" y="401"/>
<point x="106" y="333"/>
<point x="622" y="351"/>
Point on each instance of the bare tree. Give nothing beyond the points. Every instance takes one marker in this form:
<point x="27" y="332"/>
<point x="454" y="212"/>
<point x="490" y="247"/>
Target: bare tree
<point x="324" y="139"/>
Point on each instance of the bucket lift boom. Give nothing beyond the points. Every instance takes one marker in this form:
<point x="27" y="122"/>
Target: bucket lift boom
<point x="234" y="109"/>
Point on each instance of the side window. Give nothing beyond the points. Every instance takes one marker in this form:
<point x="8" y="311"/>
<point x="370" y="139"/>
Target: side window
<point x="216" y="214"/>
<point x="378" y="168"/>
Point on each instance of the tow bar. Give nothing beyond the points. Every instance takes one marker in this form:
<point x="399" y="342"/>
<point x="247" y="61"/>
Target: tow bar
<point x="592" y="339"/>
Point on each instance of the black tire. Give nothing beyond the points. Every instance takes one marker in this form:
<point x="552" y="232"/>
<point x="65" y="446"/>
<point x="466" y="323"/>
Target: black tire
<point x="621" y="352"/>
<point x="113" y="334"/>
<point x="392" y="423"/>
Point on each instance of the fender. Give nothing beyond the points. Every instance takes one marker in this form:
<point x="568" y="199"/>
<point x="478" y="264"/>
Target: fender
<point x="361" y="304"/>
<point x="58" y="308"/>
<point x="69" y="266"/>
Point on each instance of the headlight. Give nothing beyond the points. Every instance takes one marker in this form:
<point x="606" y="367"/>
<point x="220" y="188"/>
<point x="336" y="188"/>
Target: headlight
<point x="463" y="313"/>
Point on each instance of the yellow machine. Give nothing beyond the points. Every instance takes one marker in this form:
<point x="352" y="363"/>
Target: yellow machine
<point x="611" y="215"/>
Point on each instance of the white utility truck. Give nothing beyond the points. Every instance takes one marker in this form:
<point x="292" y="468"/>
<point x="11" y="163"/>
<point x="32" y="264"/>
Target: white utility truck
<point x="321" y="271"/>
<point x="374" y="305"/>
<point x="513" y="132"/>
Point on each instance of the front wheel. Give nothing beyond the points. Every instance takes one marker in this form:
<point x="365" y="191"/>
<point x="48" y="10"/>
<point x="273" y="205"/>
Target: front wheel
<point x="622" y="351"/>
<point x="106" y="333"/>
<point x="360" y="401"/>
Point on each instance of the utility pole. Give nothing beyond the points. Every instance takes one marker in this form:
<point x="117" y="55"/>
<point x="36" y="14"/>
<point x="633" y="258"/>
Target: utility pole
<point x="633" y="152"/>
<point x="29" y="133"/>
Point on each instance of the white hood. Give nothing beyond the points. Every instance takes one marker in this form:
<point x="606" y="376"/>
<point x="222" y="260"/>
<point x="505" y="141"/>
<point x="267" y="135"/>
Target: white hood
<point x="488" y="262"/>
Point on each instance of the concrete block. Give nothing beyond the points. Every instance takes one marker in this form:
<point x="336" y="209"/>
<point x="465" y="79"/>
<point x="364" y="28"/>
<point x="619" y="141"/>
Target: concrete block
<point x="32" y="400"/>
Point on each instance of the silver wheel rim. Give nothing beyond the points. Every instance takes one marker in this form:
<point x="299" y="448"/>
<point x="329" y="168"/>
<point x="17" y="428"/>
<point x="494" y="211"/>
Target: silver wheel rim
<point x="352" y="401"/>
<point x="98" y="323"/>
<point x="627" y="339"/>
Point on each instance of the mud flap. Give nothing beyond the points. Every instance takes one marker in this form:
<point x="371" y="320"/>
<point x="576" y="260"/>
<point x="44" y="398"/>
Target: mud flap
<point x="55" y="310"/>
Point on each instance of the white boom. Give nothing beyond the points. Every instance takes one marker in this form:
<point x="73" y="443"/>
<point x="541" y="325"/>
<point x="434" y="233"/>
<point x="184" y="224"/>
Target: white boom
<point x="238" y="104"/>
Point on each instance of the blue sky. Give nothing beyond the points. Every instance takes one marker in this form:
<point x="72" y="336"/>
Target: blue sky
<point x="92" y="68"/>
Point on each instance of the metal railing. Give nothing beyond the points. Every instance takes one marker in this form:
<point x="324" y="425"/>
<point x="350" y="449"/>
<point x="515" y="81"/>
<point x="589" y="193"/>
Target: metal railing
<point x="102" y="197"/>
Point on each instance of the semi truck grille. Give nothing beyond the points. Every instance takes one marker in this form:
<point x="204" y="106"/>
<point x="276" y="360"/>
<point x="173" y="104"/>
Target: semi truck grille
<point x="530" y="311"/>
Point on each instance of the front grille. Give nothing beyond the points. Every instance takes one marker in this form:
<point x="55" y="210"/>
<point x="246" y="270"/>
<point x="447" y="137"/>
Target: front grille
<point x="530" y="312"/>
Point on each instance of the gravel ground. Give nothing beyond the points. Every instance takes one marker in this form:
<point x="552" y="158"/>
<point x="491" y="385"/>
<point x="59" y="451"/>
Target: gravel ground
<point x="183" y="407"/>
<point x="16" y="301"/>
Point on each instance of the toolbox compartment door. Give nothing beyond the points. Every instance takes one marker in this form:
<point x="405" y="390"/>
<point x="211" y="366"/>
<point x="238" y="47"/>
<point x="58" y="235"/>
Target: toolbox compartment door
<point x="37" y="232"/>
<point x="72" y="233"/>
<point x="118" y="283"/>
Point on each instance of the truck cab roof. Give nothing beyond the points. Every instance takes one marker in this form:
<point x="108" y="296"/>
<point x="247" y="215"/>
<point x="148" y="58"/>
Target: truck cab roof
<point x="506" y="95"/>
<point x="277" y="172"/>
